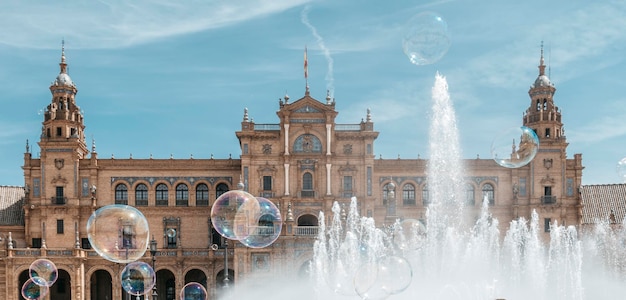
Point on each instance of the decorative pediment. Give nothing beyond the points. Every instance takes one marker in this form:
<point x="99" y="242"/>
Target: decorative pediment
<point x="547" y="180"/>
<point x="347" y="169"/>
<point x="58" y="179"/>
<point x="267" y="169"/>
<point x="307" y="109"/>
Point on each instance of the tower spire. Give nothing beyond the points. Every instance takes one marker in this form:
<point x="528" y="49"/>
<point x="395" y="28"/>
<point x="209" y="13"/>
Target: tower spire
<point x="542" y="66"/>
<point x="63" y="64"/>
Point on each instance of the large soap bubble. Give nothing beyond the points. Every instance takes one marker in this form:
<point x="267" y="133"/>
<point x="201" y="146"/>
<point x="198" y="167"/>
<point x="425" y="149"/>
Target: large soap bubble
<point x="43" y="272"/>
<point x="515" y="147"/>
<point x="426" y="39"/>
<point x="119" y="233"/>
<point x="268" y="226"/>
<point x="138" y="278"/>
<point x="234" y="214"/>
<point x="193" y="291"/>
<point x="33" y="291"/>
<point x="387" y="276"/>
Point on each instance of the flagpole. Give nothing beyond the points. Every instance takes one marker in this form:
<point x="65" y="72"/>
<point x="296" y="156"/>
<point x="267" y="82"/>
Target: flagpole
<point x="306" y="71"/>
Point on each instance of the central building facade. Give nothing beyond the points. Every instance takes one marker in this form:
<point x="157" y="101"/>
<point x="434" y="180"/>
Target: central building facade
<point x="303" y="163"/>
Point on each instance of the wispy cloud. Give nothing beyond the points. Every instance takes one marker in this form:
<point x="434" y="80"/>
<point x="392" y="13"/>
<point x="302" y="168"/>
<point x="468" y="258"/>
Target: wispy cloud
<point x="610" y="124"/>
<point x="117" y="23"/>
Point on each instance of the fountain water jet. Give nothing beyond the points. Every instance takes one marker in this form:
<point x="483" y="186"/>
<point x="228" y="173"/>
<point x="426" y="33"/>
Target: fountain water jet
<point x="452" y="258"/>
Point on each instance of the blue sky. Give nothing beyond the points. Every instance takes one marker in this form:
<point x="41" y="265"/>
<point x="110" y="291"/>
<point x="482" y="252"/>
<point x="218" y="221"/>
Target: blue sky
<point x="173" y="77"/>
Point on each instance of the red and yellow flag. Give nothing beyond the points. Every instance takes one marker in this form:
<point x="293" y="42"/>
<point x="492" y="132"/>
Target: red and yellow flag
<point x="306" y="65"/>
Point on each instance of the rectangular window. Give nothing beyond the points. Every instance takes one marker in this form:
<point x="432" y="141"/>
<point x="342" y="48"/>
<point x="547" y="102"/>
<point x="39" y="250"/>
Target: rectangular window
<point x="36" y="242"/>
<point x="58" y="131"/>
<point x="36" y="187"/>
<point x="570" y="186"/>
<point x="547" y="132"/>
<point x="369" y="181"/>
<point x="59" y="198"/>
<point x="267" y="183"/>
<point x="85" y="185"/>
<point x="59" y="226"/>
<point x="85" y="244"/>
<point x="369" y="149"/>
<point x="546" y="224"/>
<point x="522" y="186"/>
<point x="245" y="148"/>
<point x="347" y="186"/>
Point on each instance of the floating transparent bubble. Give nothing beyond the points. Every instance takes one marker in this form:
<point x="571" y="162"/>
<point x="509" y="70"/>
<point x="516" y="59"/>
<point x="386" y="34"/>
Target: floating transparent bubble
<point x="515" y="147"/>
<point x="119" y="233"/>
<point x="268" y="226"/>
<point x="43" y="272"/>
<point x="138" y="278"/>
<point x="193" y="291"/>
<point x="621" y="170"/>
<point x="32" y="291"/>
<point x="426" y="39"/>
<point x="394" y="274"/>
<point x="233" y="214"/>
<point x="408" y="233"/>
<point x="367" y="282"/>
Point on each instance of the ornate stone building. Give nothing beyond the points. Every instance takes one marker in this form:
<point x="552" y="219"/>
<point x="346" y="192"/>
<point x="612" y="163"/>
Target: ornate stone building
<point x="303" y="163"/>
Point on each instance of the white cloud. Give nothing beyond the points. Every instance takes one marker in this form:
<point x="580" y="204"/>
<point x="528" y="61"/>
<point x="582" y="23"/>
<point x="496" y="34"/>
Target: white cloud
<point x="117" y="23"/>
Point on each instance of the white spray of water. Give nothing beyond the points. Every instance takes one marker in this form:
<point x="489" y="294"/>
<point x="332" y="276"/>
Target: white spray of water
<point x="330" y="81"/>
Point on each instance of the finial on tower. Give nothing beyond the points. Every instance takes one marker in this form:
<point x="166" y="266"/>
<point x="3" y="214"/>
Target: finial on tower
<point x="63" y="64"/>
<point x="328" y="97"/>
<point x="27" y="147"/>
<point x="245" y="115"/>
<point x="369" y="116"/>
<point x="542" y="66"/>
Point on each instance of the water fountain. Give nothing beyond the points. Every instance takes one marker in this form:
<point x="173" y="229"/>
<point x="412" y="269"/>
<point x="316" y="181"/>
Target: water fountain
<point x="451" y="260"/>
<point x="447" y="257"/>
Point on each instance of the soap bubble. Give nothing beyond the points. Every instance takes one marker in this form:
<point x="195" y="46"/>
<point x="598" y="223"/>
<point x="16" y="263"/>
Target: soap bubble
<point x="408" y="233"/>
<point x="43" y="272"/>
<point x="395" y="274"/>
<point x="138" y="278"/>
<point x="267" y="229"/>
<point x="367" y="282"/>
<point x="193" y="291"/>
<point x="380" y="279"/>
<point x="515" y="147"/>
<point x="119" y="233"/>
<point x="33" y="291"/>
<point x="426" y="39"/>
<point x="621" y="170"/>
<point x="233" y="214"/>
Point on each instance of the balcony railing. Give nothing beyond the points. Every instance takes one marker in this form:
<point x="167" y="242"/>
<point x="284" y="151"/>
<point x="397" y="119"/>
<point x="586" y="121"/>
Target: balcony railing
<point x="58" y="200"/>
<point x="548" y="199"/>
<point x="307" y="194"/>
<point x="267" y="194"/>
<point x="306" y="230"/>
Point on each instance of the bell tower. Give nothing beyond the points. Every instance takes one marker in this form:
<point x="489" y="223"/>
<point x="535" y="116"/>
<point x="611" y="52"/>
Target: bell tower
<point x="62" y="141"/>
<point x="542" y="115"/>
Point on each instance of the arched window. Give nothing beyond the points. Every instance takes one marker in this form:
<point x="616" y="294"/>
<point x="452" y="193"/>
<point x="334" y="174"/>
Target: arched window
<point x="307" y="185"/>
<point x="182" y="195"/>
<point x="307" y="143"/>
<point x="488" y="192"/>
<point x="408" y="194"/>
<point x="469" y="194"/>
<point x="386" y="189"/>
<point x="425" y="195"/>
<point x="220" y="189"/>
<point x="161" y="194"/>
<point x="202" y="195"/>
<point x="121" y="194"/>
<point x="141" y="195"/>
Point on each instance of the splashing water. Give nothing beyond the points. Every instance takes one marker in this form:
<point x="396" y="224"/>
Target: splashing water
<point x="451" y="258"/>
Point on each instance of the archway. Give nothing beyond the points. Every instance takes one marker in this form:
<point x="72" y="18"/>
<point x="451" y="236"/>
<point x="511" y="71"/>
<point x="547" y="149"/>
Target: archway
<point x="62" y="288"/>
<point x="166" y="285"/>
<point x="101" y="285"/>
<point x="196" y="275"/>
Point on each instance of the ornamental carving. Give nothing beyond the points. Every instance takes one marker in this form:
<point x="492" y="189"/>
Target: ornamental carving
<point x="267" y="149"/>
<point x="347" y="149"/>
<point x="59" y="163"/>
